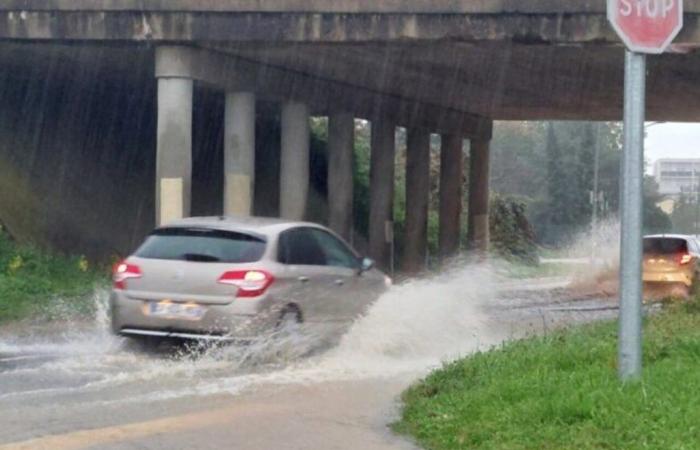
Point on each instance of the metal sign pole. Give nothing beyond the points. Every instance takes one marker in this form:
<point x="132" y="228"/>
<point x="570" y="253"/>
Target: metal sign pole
<point x="630" y="333"/>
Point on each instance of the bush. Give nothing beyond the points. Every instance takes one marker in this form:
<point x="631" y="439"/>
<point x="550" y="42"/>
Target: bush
<point x="512" y="236"/>
<point x="31" y="280"/>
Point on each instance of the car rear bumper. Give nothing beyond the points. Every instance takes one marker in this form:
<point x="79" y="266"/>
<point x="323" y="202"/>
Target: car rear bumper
<point x="179" y="335"/>
<point x="219" y="322"/>
<point x="668" y="277"/>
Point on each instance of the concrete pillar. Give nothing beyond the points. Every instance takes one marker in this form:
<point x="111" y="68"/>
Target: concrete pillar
<point x="415" y="249"/>
<point x="451" y="181"/>
<point x="239" y="153"/>
<point x="381" y="200"/>
<point x="294" y="161"/>
<point x="174" y="149"/>
<point x="478" y="233"/>
<point x="341" y="135"/>
<point x="267" y="162"/>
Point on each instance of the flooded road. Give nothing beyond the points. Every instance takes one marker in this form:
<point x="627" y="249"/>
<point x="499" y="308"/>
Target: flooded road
<point x="73" y="385"/>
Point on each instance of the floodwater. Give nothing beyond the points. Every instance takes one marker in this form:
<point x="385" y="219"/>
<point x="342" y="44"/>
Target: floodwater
<point x="60" y="378"/>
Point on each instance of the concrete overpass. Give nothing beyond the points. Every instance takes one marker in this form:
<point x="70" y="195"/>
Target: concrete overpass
<point x="445" y="66"/>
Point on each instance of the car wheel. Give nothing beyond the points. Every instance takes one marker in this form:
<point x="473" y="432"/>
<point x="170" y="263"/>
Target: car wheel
<point x="290" y="319"/>
<point x="148" y="344"/>
<point x="681" y="291"/>
<point x="695" y="286"/>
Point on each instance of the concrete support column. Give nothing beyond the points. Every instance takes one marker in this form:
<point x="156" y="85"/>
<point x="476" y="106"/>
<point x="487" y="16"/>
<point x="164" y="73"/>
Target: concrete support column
<point x="415" y="248"/>
<point x="381" y="201"/>
<point x="341" y="140"/>
<point x="451" y="181"/>
<point x="294" y="161"/>
<point x="239" y="153"/>
<point x="478" y="233"/>
<point x="174" y="149"/>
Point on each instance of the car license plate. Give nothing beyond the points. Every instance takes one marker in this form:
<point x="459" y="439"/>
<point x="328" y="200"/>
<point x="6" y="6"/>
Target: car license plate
<point x="170" y="310"/>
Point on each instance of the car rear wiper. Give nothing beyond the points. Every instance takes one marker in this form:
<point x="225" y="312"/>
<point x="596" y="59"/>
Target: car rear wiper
<point x="199" y="257"/>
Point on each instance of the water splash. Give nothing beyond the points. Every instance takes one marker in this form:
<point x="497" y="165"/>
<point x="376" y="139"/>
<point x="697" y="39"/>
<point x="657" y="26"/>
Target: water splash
<point x="599" y="251"/>
<point x="408" y="330"/>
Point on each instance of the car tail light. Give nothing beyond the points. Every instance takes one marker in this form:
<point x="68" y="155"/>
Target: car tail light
<point x="683" y="258"/>
<point x="250" y="283"/>
<point x="124" y="271"/>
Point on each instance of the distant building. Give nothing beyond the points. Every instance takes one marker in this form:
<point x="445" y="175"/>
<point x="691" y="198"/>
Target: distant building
<point x="677" y="176"/>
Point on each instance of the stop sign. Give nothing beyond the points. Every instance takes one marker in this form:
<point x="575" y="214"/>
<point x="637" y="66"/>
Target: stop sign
<point x="646" y="26"/>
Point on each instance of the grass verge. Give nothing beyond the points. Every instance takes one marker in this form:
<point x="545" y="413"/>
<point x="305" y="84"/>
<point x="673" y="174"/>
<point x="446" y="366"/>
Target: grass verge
<point x="561" y="392"/>
<point x="522" y="271"/>
<point x="33" y="282"/>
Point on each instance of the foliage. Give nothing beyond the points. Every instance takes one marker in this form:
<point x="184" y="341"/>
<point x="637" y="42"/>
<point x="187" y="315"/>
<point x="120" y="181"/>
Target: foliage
<point x="512" y="236"/>
<point x="361" y="177"/>
<point x="31" y="280"/>
<point x="561" y="391"/>
<point x="552" y="165"/>
<point x="518" y="163"/>
<point x="655" y="219"/>
<point x="686" y="215"/>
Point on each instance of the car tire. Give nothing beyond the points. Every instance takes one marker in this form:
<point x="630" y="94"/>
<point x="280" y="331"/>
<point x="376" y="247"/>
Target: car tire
<point x="694" y="289"/>
<point x="147" y="344"/>
<point x="290" y="317"/>
<point x="681" y="291"/>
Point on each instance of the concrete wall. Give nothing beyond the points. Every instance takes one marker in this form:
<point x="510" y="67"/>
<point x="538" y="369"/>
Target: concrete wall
<point x="76" y="151"/>
<point x="77" y="148"/>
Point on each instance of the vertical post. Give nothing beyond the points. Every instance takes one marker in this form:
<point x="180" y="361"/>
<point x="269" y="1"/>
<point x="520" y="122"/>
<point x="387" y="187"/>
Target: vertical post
<point x="451" y="181"/>
<point x="595" y="201"/>
<point x="239" y="153"/>
<point x="294" y="161"/>
<point x="630" y="331"/>
<point x="381" y="184"/>
<point x="478" y="232"/>
<point x="174" y="149"/>
<point x="341" y="135"/>
<point x="417" y="200"/>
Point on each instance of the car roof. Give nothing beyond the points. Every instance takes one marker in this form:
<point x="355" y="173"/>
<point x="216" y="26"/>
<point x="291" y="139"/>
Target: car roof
<point x="265" y="226"/>
<point x="670" y="236"/>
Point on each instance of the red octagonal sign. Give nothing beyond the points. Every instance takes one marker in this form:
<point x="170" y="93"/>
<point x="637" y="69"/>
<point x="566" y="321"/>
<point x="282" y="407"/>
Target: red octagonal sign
<point x="646" y="26"/>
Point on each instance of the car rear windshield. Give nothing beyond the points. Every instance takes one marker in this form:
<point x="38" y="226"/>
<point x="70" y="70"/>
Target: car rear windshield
<point x="202" y="245"/>
<point x="665" y="246"/>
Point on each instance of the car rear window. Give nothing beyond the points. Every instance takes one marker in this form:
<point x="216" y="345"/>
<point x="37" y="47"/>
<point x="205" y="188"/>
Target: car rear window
<point x="665" y="246"/>
<point x="202" y="245"/>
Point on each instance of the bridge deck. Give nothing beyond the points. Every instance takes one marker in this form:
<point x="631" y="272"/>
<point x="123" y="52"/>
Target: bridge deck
<point x="505" y="59"/>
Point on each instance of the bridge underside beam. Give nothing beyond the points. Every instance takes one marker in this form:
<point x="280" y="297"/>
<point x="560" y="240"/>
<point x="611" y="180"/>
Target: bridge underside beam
<point x="323" y="96"/>
<point x="500" y="81"/>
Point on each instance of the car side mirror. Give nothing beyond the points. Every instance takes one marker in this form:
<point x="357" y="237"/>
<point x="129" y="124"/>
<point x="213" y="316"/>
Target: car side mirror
<point x="366" y="264"/>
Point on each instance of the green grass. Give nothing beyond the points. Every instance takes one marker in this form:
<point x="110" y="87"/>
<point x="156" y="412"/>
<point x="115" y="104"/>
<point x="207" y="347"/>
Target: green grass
<point x="562" y="392"/>
<point x="523" y="271"/>
<point x="36" y="283"/>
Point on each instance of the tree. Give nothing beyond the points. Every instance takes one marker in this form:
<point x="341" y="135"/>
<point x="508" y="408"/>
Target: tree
<point x="686" y="215"/>
<point x="512" y="236"/>
<point x="654" y="218"/>
<point x="551" y="164"/>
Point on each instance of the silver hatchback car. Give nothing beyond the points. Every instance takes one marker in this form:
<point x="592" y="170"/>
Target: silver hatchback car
<point x="228" y="278"/>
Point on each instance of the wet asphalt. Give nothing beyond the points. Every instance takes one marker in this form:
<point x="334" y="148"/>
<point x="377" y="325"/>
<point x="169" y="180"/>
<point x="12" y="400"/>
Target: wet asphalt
<point x="73" y="385"/>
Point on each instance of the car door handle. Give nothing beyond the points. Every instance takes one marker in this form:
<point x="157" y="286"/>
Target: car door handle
<point x="303" y="279"/>
<point x="339" y="282"/>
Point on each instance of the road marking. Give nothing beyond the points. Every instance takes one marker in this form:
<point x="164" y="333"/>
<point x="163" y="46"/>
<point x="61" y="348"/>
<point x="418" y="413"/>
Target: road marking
<point x="99" y="436"/>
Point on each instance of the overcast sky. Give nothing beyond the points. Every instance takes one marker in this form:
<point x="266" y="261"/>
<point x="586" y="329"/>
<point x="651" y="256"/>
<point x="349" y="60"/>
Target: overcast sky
<point x="672" y="140"/>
